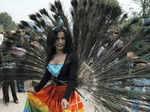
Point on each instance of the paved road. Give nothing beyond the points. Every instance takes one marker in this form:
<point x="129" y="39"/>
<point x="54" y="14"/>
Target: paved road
<point x="12" y="107"/>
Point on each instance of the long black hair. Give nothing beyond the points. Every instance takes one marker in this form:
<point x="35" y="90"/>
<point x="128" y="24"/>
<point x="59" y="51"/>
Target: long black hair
<point x="51" y="40"/>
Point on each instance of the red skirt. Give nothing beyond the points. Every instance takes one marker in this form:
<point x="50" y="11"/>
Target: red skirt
<point x="49" y="99"/>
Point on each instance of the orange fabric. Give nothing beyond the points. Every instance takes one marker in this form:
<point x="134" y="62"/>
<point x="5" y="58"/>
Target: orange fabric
<point x="52" y="96"/>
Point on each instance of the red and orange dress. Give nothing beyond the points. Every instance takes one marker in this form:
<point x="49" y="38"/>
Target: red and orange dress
<point x="64" y="82"/>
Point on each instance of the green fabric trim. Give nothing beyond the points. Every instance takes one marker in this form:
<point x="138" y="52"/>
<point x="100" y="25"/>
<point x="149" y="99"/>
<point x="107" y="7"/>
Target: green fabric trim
<point x="30" y="107"/>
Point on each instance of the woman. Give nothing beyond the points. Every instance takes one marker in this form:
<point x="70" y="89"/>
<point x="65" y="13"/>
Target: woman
<point x="60" y="95"/>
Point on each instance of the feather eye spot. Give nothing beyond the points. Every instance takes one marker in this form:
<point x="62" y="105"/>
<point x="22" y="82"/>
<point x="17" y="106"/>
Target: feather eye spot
<point x="140" y="46"/>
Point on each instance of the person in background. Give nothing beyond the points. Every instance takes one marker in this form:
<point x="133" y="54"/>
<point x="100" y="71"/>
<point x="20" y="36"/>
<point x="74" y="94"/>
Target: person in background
<point x="1" y="37"/>
<point x="5" y="89"/>
<point x="19" y="52"/>
<point x="8" y="63"/>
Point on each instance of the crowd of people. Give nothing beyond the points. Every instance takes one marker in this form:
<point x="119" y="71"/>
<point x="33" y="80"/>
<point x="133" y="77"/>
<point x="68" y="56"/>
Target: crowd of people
<point x="130" y="65"/>
<point x="7" y="62"/>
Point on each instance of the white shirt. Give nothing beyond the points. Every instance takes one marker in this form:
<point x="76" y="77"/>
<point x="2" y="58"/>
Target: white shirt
<point x="1" y="38"/>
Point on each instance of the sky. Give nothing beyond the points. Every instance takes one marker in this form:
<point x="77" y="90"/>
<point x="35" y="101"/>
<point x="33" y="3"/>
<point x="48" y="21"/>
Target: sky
<point x="20" y="9"/>
<point x="129" y="6"/>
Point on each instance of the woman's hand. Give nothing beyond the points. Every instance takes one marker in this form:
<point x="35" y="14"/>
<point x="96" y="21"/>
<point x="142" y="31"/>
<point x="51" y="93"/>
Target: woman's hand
<point x="64" y="103"/>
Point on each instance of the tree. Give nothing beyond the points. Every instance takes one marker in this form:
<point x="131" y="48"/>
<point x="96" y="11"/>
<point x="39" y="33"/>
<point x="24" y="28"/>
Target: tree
<point x="1" y="28"/>
<point x="6" y="22"/>
<point x="145" y="5"/>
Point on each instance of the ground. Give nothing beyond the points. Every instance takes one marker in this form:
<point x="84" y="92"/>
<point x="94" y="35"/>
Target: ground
<point x="12" y="107"/>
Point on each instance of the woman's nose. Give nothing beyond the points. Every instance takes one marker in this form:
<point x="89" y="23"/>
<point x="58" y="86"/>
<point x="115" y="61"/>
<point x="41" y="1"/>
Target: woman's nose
<point x="60" y="40"/>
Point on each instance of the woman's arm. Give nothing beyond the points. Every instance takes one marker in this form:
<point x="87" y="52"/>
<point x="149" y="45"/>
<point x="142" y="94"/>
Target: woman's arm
<point x="44" y="80"/>
<point x="72" y="76"/>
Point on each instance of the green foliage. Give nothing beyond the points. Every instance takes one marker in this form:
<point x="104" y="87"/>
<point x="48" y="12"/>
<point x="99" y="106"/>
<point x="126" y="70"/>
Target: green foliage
<point x="1" y="28"/>
<point x="128" y="29"/>
<point x="6" y="21"/>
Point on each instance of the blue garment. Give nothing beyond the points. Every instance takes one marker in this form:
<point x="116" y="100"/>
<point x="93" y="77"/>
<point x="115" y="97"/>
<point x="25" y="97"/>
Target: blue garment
<point x="139" y="82"/>
<point x="27" y="36"/>
<point x="54" y="69"/>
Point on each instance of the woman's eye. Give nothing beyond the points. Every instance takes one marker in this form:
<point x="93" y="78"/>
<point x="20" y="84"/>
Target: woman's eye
<point x="62" y="38"/>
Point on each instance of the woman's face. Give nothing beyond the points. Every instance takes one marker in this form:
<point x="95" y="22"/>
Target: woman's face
<point x="60" y="41"/>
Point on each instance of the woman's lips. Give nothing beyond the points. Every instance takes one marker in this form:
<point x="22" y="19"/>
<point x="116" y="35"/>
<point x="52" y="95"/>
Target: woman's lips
<point x="60" y="46"/>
